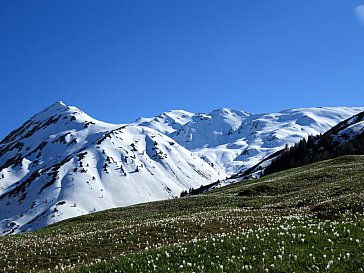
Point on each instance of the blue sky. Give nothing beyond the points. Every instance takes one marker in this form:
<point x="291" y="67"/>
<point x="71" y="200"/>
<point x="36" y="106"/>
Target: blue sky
<point x="118" y="60"/>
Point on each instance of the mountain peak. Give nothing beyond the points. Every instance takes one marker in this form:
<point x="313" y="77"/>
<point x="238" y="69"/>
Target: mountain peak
<point x="60" y="110"/>
<point x="222" y="110"/>
<point x="228" y="111"/>
<point x="56" y="108"/>
<point x="57" y="105"/>
<point x="55" y="119"/>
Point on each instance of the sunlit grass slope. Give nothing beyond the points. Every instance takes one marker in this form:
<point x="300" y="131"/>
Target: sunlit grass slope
<point x="301" y="220"/>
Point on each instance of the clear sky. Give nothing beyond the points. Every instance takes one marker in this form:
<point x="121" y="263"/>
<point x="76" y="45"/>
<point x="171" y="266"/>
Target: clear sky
<point x="122" y="59"/>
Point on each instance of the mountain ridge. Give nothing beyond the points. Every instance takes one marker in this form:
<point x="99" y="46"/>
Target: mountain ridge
<point x="233" y="143"/>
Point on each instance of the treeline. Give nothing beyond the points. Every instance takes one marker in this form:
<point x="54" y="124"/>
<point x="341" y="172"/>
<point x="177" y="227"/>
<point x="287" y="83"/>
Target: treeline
<point x="314" y="149"/>
<point x="199" y="190"/>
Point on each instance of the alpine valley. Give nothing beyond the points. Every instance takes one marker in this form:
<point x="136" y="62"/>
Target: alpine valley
<point x="62" y="163"/>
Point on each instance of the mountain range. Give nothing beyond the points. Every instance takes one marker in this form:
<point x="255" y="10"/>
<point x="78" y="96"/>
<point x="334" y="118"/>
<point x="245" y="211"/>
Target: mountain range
<point x="233" y="141"/>
<point x="62" y="163"/>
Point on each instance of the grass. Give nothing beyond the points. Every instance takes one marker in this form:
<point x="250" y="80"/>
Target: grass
<point x="300" y="220"/>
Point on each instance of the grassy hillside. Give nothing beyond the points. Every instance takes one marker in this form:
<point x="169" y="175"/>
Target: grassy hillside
<point x="304" y="219"/>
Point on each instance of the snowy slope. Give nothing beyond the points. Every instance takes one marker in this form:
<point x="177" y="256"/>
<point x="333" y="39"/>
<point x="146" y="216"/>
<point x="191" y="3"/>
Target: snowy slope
<point x="62" y="163"/>
<point x="233" y="141"/>
<point x="348" y="129"/>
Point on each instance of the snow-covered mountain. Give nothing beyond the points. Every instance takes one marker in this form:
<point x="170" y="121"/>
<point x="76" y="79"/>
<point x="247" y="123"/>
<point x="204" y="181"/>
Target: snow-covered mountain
<point x="233" y="141"/>
<point x="62" y="163"/>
